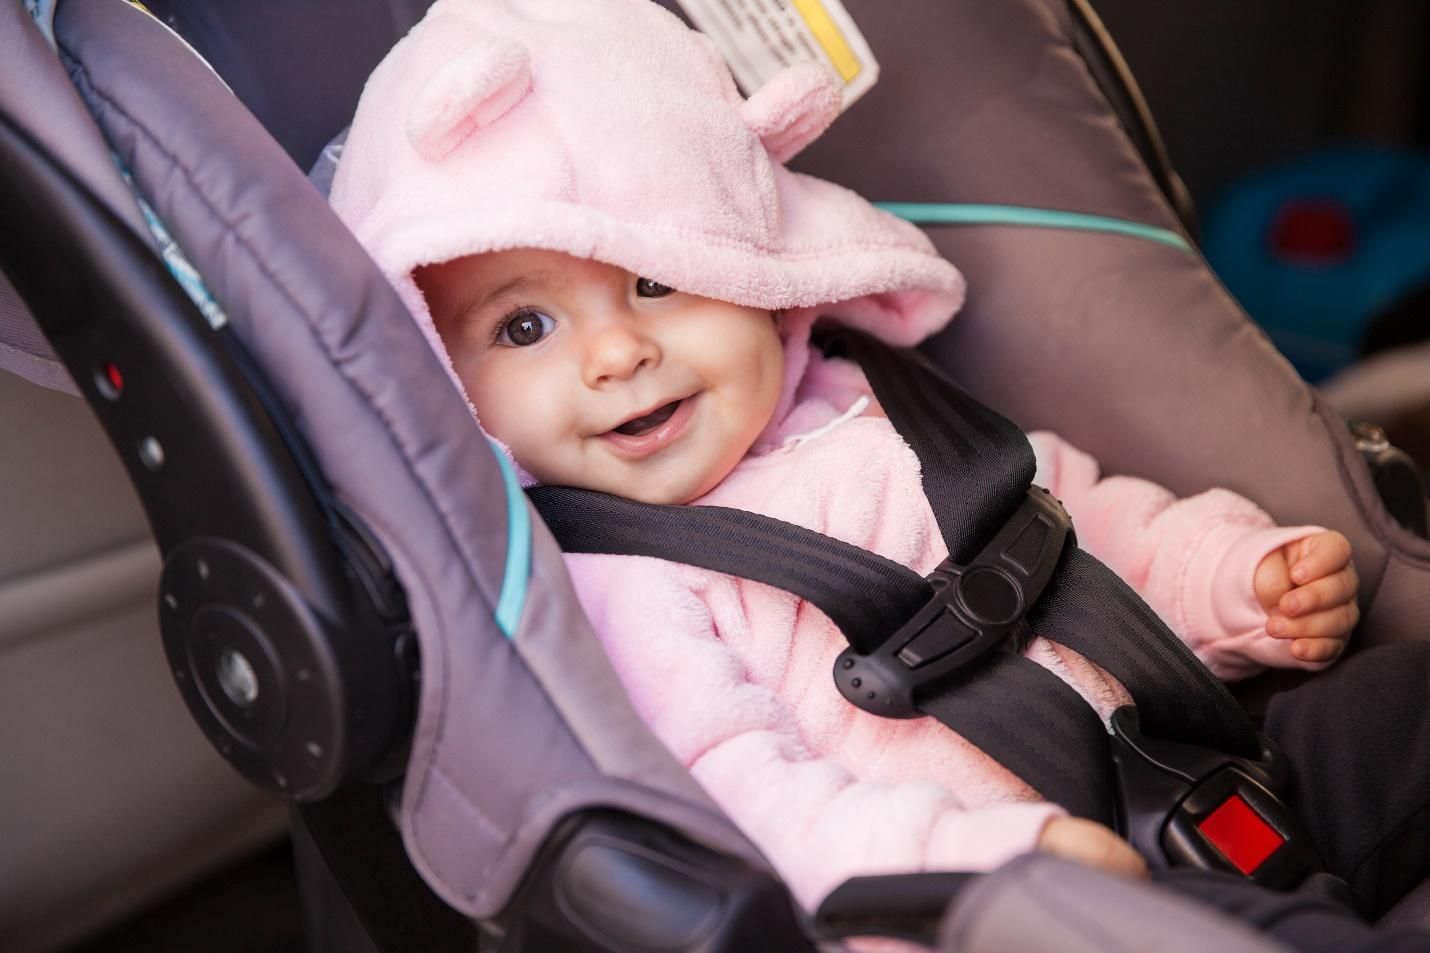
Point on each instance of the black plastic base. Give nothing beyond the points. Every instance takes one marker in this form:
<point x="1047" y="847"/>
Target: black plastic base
<point x="608" y="882"/>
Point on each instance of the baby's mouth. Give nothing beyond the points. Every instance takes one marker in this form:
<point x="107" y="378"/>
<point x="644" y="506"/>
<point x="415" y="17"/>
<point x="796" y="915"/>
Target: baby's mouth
<point x="648" y="422"/>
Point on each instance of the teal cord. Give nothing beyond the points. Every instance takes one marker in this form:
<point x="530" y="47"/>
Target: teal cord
<point x="936" y="213"/>
<point x="516" y="575"/>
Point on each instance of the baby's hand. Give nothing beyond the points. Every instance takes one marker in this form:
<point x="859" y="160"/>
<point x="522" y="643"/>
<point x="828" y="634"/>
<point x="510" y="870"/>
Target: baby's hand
<point x="1308" y="589"/>
<point x="1092" y="845"/>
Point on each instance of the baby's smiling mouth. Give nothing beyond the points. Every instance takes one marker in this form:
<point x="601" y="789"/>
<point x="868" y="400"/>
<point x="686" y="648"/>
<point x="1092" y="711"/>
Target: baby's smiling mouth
<point x="650" y="432"/>
<point x="645" y="423"/>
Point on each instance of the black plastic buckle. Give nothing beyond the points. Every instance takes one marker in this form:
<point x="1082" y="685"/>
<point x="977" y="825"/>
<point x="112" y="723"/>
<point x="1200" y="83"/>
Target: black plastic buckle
<point x="974" y="609"/>
<point x="1187" y="806"/>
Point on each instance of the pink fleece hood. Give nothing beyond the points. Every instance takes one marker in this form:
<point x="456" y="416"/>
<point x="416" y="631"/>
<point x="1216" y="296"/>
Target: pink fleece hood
<point x="606" y="129"/>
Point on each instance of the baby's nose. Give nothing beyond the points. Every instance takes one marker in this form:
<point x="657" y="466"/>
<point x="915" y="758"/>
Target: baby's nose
<point x="616" y="350"/>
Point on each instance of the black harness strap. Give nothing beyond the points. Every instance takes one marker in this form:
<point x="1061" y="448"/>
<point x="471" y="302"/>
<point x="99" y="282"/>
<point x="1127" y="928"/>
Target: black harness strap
<point x="974" y="462"/>
<point x="1032" y="723"/>
<point x="868" y="597"/>
<point x="976" y="468"/>
<point x="859" y="590"/>
<point x="1095" y="613"/>
<point x="975" y="465"/>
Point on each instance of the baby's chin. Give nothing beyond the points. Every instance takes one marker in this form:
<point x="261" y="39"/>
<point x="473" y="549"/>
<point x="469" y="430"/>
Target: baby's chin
<point x="672" y="491"/>
<point x="669" y="488"/>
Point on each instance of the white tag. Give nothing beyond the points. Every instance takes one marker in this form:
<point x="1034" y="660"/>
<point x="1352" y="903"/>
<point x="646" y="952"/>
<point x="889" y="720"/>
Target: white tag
<point x="761" y="37"/>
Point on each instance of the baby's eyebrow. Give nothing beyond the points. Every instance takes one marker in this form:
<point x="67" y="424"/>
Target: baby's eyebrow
<point x="522" y="283"/>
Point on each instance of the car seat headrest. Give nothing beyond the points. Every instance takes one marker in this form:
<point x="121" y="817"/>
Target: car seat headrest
<point x="473" y="89"/>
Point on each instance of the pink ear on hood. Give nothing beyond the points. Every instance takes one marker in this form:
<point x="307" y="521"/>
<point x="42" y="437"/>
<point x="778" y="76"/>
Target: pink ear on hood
<point x="472" y="89"/>
<point x="791" y="110"/>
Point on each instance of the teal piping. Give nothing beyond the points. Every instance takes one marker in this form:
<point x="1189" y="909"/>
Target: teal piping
<point x="518" y="551"/>
<point x="517" y="572"/>
<point x="936" y="213"/>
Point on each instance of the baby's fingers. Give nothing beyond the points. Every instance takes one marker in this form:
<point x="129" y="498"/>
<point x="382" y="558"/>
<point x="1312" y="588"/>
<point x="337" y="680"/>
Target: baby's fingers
<point x="1317" y="650"/>
<point x="1319" y="555"/>
<point x="1333" y="590"/>
<point x="1333" y="623"/>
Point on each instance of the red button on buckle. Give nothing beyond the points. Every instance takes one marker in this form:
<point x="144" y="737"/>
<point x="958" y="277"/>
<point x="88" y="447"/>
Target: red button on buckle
<point x="1240" y="834"/>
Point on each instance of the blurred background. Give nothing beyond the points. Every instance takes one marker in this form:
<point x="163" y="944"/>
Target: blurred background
<point x="1301" y="128"/>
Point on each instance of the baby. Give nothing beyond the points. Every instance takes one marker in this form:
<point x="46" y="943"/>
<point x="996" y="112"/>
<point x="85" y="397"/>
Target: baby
<point x="623" y="277"/>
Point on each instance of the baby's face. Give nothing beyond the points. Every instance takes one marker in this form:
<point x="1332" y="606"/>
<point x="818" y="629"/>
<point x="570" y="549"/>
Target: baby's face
<point x="597" y="378"/>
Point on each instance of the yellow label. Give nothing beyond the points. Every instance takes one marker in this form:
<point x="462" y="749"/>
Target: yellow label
<point x="761" y="38"/>
<point x="830" y="38"/>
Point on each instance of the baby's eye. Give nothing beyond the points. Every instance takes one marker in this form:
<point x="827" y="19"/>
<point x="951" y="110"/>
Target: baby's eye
<point x="645" y="288"/>
<point x="525" y="328"/>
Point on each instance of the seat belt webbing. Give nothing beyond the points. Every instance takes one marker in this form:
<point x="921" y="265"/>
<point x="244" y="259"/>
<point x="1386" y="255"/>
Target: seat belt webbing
<point x="976" y="468"/>
<point x="868" y="597"/>
<point x="975" y="461"/>
<point x="859" y="590"/>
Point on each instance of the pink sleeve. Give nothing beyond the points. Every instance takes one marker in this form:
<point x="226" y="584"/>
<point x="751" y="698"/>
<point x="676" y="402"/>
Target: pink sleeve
<point x="817" y="822"/>
<point x="1192" y="559"/>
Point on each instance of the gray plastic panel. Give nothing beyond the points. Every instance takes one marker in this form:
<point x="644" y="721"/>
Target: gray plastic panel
<point x="495" y="760"/>
<point x="1038" y="903"/>
<point x="1131" y="350"/>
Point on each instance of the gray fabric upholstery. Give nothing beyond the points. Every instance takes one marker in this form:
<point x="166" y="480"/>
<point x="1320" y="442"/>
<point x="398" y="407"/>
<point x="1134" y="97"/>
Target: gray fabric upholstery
<point x="496" y="757"/>
<point x="1412" y="912"/>
<point x="1038" y="903"/>
<point x="1131" y="350"/>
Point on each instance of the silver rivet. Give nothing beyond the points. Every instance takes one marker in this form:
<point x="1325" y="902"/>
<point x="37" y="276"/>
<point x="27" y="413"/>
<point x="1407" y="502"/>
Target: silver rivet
<point x="314" y="749"/>
<point x="171" y="600"/>
<point x="203" y="569"/>
<point x="303" y="674"/>
<point x="259" y="601"/>
<point x="237" y="678"/>
<point x="151" y="453"/>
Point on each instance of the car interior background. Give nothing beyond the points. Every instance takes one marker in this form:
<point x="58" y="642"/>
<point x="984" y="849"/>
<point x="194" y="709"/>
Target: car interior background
<point x="124" y="830"/>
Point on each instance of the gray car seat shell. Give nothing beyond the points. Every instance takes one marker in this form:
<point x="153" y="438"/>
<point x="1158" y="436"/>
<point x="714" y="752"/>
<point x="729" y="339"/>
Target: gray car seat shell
<point x="540" y="701"/>
<point x="337" y="343"/>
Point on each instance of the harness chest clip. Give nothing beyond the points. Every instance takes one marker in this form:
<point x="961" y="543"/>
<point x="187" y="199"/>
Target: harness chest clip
<point x="975" y="608"/>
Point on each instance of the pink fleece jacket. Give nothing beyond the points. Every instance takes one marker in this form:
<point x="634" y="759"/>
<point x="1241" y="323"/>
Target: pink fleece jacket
<point x="734" y="675"/>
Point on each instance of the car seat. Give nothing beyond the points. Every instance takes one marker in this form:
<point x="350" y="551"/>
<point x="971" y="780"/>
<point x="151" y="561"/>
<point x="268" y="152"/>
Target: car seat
<point x="354" y="589"/>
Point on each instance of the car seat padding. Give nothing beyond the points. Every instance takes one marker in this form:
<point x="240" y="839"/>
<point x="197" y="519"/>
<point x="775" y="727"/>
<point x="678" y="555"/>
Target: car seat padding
<point x="338" y="346"/>
<point x="1101" y="338"/>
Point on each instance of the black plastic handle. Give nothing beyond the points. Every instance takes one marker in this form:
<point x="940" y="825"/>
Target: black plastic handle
<point x="234" y="504"/>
